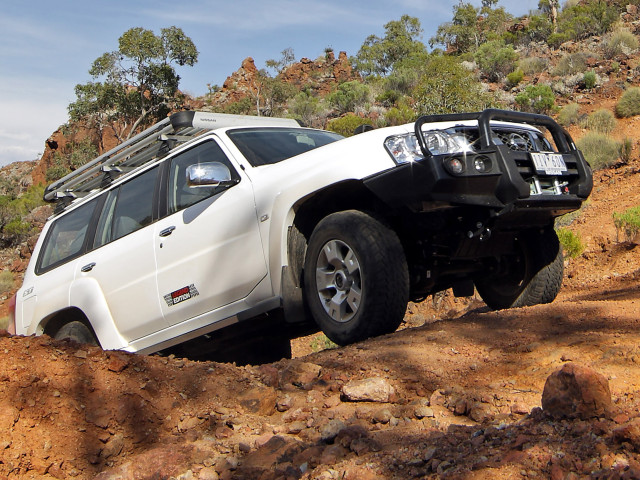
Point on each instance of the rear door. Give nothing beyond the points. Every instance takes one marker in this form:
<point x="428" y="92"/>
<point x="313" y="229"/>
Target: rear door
<point x="208" y="248"/>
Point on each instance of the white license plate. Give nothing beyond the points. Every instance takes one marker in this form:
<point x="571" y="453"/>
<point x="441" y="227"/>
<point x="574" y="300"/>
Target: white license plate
<point x="549" y="163"/>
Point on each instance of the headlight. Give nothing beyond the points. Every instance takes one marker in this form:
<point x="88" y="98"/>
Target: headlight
<point x="405" y="148"/>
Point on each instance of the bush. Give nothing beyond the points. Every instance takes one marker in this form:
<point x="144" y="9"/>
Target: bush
<point x="599" y="150"/>
<point x="572" y="63"/>
<point x="601" y="121"/>
<point x="629" y="103"/>
<point x="626" y="147"/>
<point x="537" y="99"/>
<point x="495" y="59"/>
<point x="589" y="79"/>
<point x="347" y="125"/>
<point x="571" y="242"/>
<point x="515" y="77"/>
<point x="620" y="42"/>
<point x="348" y="96"/>
<point x="533" y="65"/>
<point x="6" y="281"/>
<point x="399" y="115"/>
<point x="628" y="222"/>
<point x="569" y="115"/>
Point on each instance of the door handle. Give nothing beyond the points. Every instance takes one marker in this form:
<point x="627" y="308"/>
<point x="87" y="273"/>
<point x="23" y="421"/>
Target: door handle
<point x="88" y="267"/>
<point x="167" y="231"/>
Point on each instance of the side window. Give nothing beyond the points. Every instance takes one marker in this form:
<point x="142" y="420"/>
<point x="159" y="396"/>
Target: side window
<point x="66" y="237"/>
<point x="127" y="208"/>
<point x="180" y="194"/>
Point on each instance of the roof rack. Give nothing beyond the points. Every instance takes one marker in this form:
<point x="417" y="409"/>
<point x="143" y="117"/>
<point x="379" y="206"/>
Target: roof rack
<point x="147" y="146"/>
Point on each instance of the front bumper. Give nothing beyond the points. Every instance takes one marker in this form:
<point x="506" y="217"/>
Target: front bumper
<point x="507" y="188"/>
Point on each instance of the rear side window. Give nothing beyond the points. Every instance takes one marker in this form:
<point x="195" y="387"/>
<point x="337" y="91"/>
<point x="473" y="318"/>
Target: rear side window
<point x="66" y="237"/>
<point x="127" y="208"/>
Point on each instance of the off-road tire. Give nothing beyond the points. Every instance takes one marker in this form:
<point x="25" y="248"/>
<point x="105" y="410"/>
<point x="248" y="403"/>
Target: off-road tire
<point x="76" y="331"/>
<point x="369" y="300"/>
<point x="534" y="275"/>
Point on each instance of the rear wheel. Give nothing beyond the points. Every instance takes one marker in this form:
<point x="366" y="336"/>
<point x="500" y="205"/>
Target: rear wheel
<point x="531" y="276"/>
<point x="356" y="279"/>
<point x="76" y="331"/>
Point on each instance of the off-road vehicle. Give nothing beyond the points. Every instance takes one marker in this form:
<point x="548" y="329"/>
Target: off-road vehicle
<point x="205" y="220"/>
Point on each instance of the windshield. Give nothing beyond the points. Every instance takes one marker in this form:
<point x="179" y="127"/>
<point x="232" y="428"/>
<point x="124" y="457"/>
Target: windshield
<point x="265" y="146"/>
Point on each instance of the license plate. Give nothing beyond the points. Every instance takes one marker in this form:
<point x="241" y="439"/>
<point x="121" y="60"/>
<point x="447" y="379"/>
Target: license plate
<point x="549" y="163"/>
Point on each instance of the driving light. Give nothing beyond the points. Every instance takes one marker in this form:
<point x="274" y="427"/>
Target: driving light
<point x="482" y="164"/>
<point x="454" y="165"/>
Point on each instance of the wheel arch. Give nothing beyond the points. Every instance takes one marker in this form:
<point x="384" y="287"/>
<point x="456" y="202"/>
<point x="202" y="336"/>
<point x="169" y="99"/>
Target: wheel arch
<point x="51" y="325"/>
<point x="303" y="217"/>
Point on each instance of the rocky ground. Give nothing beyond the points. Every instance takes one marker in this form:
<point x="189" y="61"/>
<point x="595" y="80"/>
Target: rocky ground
<point x="457" y="393"/>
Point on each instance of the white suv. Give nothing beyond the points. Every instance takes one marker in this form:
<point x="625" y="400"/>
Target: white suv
<point x="205" y="220"/>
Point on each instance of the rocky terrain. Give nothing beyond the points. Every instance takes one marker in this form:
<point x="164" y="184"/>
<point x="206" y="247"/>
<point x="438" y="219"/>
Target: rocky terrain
<point x="457" y="393"/>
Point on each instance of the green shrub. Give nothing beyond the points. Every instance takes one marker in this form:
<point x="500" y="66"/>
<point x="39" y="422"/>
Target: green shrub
<point x="6" y="281"/>
<point x="495" y="59"/>
<point x="245" y="106"/>
<point x="589" y="79"/>
<point x="620" y="42"/>
<point x="615" y="67"/>
<point x="346" y="125"/>
<point x="515" y="77"/>
<point x="571" y="242"/>
<point x="599" y="150"/>
<point x="628" y="222"/>
<point x="537" y="99"/>
<point x="556" y="39"/>
<point x="56" y="173"/>
<point x="601" y="121"/>
<point x="348" y="96"/>
<point x="399" y="115"/>
<point x="569" y="115"/>
<point x="629" y="103"/>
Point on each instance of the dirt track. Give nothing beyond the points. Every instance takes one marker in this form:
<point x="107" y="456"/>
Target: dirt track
<point x="465" y="402"/>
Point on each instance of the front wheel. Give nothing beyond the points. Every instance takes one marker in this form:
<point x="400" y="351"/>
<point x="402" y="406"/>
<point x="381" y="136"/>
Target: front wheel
<point x="531" y="276"/>
<point x="356" y="279"/>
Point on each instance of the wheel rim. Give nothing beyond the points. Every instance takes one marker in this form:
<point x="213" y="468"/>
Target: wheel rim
<point x="338" y="280"/>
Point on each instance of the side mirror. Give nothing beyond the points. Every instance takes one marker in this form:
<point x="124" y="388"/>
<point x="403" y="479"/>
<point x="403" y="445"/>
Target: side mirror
<point x="210" y="174"/>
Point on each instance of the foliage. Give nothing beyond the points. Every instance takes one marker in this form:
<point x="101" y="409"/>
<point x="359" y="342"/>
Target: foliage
<point x="348" y="96"/>
<point x="14" y="228"/>
<point x="347" y="125"/>
<point x="599" y="150"/>
<point x="56" y="172"/>
<point x="585" y="19"/>
<point x="6" y="281"/>
<point x="620" y="42"/>
<point x="537" y="99"/>
<point x="572" y="63"/>
<point x="626" y="147"/>
<point x="471" y="27"/>
<point x="399" y="115"/>
<point x="271" y="94"/>
<point x="495" y="59"/>
<point x="590" y="79"/>
<point x="515" y="77"/>
<point x="377" y="56"/>
<point x="629" y="103"/>
<point x="286" y="59"/>
<point x="448" y="87"/>
<point x="601" y="121"/>
<point x="569" y="115"/>
<point x="139" y="82"/>
<point x="305" y="107"/>
<point x="628" y="222"/>
<point x="533" y="65"/>
<point x="244" y="106"/>
<point x="320" y="342"/>
<point x="571" y="242"/>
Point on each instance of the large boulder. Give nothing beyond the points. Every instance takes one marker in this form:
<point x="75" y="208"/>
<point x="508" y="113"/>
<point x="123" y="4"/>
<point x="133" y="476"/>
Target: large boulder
<point x="576" y="391"/>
